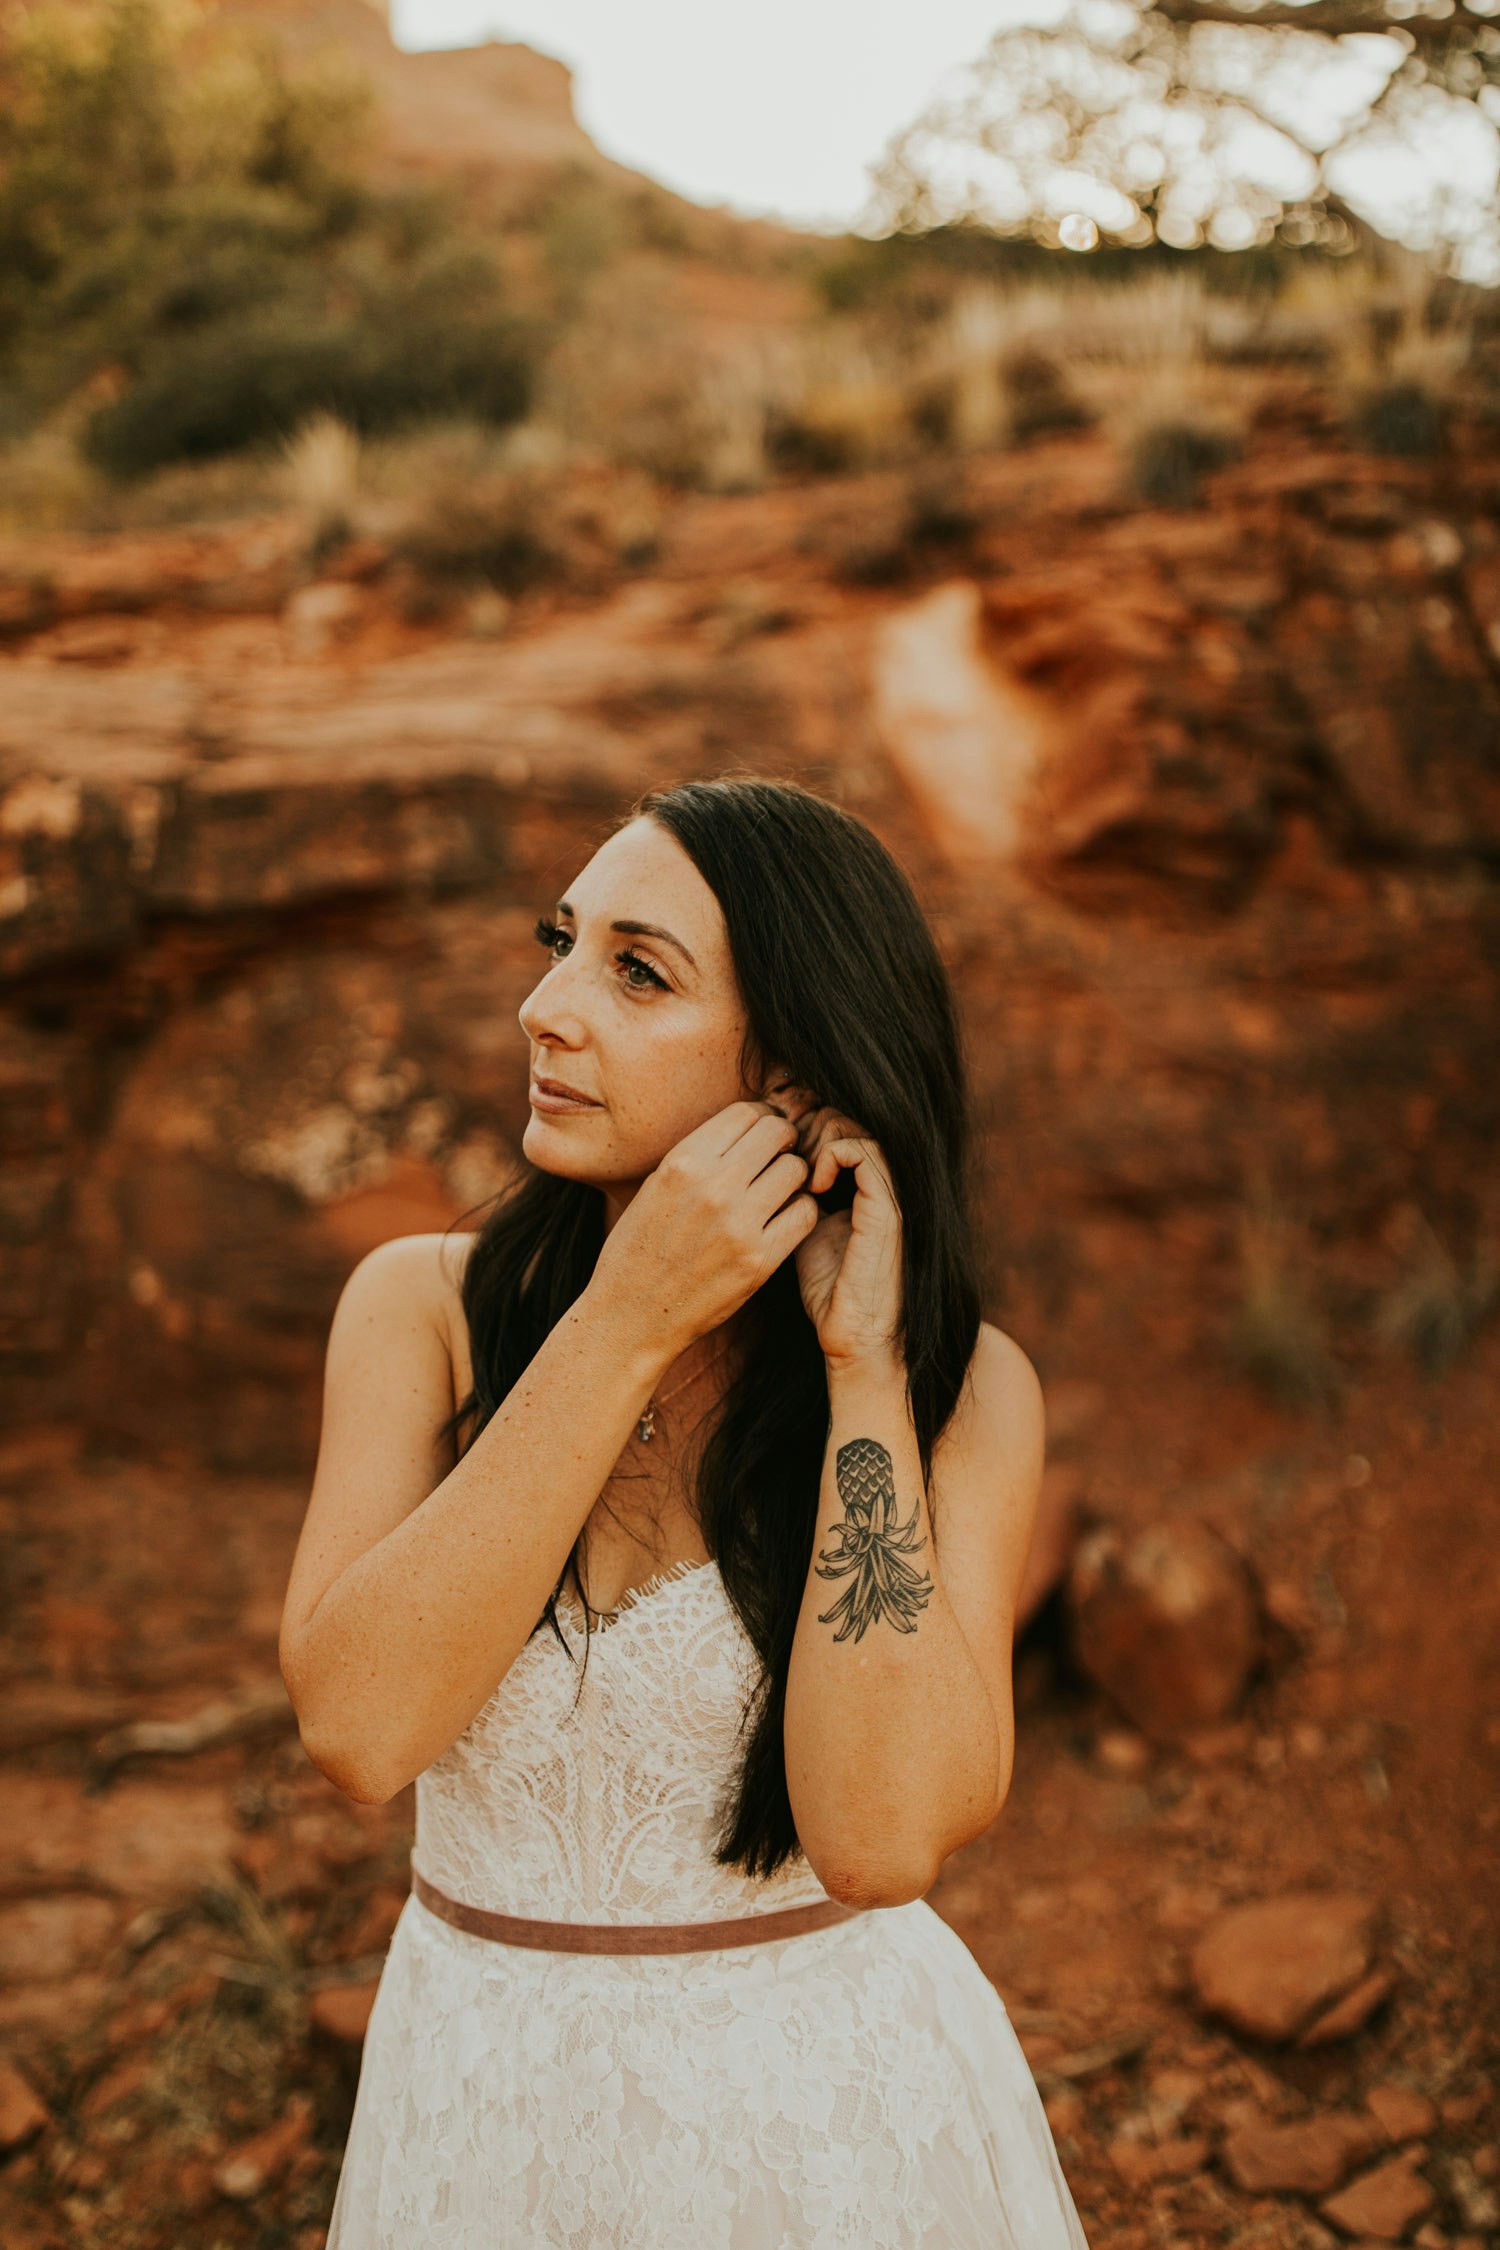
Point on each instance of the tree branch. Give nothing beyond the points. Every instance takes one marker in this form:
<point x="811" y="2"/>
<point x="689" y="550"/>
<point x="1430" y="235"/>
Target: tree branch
<point x="1335" y="19"/>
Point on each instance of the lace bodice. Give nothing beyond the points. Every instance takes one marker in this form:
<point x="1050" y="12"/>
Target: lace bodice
<point x="858" y="2087"/>
<point x="607" y="1809"/>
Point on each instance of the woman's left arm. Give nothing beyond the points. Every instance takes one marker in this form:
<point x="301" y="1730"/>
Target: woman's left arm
<point x="899" y="1730"/>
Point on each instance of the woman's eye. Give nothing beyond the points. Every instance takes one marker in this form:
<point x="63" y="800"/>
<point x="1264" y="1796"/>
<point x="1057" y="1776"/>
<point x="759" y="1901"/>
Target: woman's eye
<point x="547" y="934"/>
<point x="632" y="961"/>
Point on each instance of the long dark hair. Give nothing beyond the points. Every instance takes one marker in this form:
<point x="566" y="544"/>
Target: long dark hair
<point x="842" y="982"/>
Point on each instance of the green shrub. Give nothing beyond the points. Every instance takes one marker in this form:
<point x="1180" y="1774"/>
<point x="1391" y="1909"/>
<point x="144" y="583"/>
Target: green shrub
<point x="1168" y="461"/>
<point x="1401" y="418"/>
<point x="189" y="233"/>
<point x="244" y="382"/>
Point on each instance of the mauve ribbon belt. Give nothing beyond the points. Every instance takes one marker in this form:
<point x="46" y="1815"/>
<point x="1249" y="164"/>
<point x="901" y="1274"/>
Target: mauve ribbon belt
<point x="630" y="1937"/>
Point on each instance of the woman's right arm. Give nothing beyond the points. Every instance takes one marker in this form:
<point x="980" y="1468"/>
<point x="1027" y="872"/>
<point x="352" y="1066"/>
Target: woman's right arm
<point x="414" y="1590"/>
<point x="416" y="1583"/>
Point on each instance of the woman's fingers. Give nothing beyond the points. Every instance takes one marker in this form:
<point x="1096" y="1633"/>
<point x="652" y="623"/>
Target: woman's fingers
<point x="847" y="1151"/>
<point x="833" y="1157"/>
<point x="767" y="1138"/>
<point x="790" y="1227"/>
<point x="728" y="1127"/>
<point x="781" y="1178"/>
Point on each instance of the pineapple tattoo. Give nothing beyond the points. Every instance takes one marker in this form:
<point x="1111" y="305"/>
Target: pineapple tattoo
<point x="872" y="1546"/>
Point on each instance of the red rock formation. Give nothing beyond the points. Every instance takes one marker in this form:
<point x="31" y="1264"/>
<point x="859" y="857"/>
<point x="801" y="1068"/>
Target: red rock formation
<point x="267" y="911"/>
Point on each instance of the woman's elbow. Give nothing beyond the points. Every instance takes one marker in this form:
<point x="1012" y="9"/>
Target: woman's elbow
<point x="349" y="1769"/>
<point x="871" y="1886"/>
<point x="352" y="1776"/>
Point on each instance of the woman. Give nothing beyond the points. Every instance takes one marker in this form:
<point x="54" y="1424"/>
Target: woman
<point x="667" y="1979"/>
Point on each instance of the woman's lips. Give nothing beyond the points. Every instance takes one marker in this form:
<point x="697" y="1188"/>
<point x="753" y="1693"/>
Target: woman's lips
<point x="558" y="1105"/>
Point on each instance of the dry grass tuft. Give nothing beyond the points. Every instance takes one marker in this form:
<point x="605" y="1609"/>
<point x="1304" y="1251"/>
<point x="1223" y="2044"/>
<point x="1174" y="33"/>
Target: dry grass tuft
<point x="1157" y="362"/>
<point x="468" y="511"/>
<point x="992" y="373"/>
<point x="320" y="471"/>
<point x="1277" y="1337"/>
<point x="1436" y="1309"/>
<point x="840" y="404"/>
<point x="1398" y="345"/>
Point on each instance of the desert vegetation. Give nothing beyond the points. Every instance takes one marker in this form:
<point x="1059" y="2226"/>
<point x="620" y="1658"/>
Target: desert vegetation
<point x="203" y="281"/>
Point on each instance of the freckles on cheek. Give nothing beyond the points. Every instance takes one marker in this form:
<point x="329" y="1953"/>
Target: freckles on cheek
<point x="686" y="1079"/>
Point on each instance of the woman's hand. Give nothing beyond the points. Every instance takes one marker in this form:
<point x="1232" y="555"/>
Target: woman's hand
<point x="710" y="1224"/>
<point x="849" y="1267"/>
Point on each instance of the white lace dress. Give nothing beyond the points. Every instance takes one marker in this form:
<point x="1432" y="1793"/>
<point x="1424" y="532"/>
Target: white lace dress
<point x="860" y="2086"/>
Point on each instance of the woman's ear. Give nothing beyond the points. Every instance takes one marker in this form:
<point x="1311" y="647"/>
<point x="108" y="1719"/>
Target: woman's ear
<point x="780" y="1087"/>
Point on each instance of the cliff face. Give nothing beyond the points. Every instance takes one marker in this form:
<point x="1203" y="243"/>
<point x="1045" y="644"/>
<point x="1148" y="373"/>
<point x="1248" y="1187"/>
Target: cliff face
<point x="501" y="109"/>
<point x="1206" y="804"/>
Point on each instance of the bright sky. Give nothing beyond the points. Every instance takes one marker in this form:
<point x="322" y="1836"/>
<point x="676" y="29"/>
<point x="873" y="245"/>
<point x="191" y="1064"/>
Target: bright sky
<point x="776" y="108"/>
<point x="781" y="108"/>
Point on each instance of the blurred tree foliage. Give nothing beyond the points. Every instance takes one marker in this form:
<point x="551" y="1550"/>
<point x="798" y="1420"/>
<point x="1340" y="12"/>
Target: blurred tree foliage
<point x="1212" y="122"/>
<point x="910" y="275"/>
<point x="192" y="259"/>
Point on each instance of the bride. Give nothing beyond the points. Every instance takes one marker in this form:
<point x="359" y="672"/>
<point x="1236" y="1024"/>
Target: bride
<point x="730" y="1420"/>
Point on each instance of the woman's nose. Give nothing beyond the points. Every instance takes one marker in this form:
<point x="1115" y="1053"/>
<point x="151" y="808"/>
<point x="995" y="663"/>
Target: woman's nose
<point x="547" y="1015"/>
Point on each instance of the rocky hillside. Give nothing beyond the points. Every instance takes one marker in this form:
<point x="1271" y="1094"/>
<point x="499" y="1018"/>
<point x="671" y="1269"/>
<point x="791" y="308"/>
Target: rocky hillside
<point x="1207" y="802"/>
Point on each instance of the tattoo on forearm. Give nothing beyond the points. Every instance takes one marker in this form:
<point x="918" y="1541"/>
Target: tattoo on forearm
<point x="872" y="1546"/>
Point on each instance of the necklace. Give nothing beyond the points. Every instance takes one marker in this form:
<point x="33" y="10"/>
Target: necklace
<point x="645" y="1428"/>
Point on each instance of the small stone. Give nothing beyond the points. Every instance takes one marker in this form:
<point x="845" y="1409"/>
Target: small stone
<point x="1142" y="2161"/>
<point x="343" y="2010"/>
<point x="1306" y="2156"/>
<point x="1121" y="1750"/>
<point x="1461" y="2109"/>
<point x="249" y="2169"/>
<point x="1271" y="1966"/>
<point x="1352" y="2012"/>
<point x="23" y="2113"/>
<point x="1404" y="2114"/>
<point x="1383" y="2203"/>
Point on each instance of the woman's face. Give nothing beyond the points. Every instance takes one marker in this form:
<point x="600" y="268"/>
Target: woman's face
<point x="646" y="1022"/>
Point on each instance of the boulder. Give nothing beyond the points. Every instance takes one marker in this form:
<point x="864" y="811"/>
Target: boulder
<point x="1273" y="1965"/>
<point x="23" y="2113"/>
<point x="1166" y="1620"/>
<point x="1302" y="2155"/>
<point x="1384" y="2203"/>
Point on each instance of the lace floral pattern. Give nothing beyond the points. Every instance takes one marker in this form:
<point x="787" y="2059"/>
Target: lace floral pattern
<point x="854" y="2088"/>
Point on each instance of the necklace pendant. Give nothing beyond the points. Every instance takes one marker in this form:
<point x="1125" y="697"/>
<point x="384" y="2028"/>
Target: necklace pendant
<point x="645" y="1428"/>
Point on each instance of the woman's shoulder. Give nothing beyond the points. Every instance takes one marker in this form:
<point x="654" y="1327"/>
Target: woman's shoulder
<point x="430" y="1268"/>
<point x="1000" y="1364"/>
<point x="1001" y="1388"/>
<point x="434" y="1262"/>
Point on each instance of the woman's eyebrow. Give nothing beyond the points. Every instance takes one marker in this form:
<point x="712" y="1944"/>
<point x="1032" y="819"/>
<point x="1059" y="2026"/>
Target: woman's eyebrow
<point x="636" y="929"/>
